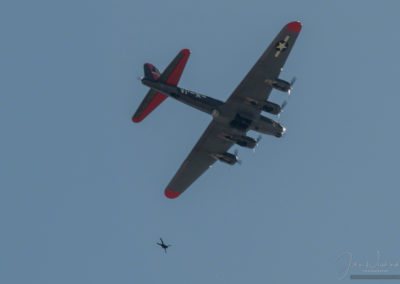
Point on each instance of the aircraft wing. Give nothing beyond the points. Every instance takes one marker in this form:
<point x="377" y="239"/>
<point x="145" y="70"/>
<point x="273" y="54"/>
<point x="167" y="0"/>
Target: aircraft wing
<point x="268" y="67"/>
<point x="254" y="87"/>
<point x="199" y="159"/>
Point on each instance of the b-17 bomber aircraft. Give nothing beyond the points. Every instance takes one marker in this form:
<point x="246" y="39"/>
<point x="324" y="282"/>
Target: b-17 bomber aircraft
<point x="231" y="119"/>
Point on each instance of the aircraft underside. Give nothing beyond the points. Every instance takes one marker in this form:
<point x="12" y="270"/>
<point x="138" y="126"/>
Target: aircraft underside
<point x="233" y="118"/>
<point x="239" y="121"/>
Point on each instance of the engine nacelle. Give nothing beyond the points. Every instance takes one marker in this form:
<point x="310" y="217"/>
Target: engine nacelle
<point x="244" y="141"/>
<point x="280" y="85"/>
<point x="272" y="108"/>
<point x="268" y="126"/>
<point x="226" y="157"/>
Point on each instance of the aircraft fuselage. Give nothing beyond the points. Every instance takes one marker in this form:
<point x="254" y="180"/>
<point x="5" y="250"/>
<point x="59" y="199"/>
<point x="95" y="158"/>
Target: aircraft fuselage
<point x="201" y="102"/>
<point x="238" y="120"/>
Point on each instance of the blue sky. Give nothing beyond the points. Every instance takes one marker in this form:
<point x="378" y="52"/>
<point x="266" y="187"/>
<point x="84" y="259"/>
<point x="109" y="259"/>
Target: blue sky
<point x="81" y="197"/>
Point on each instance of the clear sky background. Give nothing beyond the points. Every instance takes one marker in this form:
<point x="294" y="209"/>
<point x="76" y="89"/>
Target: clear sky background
<point x="81" y="197"/>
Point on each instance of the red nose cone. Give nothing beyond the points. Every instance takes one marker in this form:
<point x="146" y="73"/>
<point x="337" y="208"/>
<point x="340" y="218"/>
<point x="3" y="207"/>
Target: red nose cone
<point x="294" y="27"/>
<point x="171" y="194"/>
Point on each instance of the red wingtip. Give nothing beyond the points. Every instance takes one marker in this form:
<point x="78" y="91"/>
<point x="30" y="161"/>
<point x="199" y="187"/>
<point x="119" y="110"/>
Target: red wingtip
<point x="186" y="51"/>
<point x="171" y="194"/>
<point x="294" y="27"/>
<point x="136" y="119"/>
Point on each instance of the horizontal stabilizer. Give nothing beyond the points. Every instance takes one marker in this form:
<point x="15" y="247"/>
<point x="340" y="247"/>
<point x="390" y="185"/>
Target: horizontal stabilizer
<point x="173" y="72"/>
<point x="170" y="76"/>
<point x="152" y="100"/>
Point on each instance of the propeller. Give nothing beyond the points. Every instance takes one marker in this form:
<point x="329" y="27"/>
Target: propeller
<point x="257" y="140"/>
<point x="140" y="78"/>
<point x="237" y="157"/>
<point x="284" y="104"/>
<point x="293" y="80"/>
<point x="292" y="83"/>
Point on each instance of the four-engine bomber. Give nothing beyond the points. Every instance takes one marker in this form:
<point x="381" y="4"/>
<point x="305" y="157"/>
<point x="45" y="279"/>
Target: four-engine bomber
<point x="232" y="119"/>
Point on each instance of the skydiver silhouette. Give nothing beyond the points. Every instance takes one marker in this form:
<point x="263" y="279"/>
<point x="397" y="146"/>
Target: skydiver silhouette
<point x="164" y="246"/>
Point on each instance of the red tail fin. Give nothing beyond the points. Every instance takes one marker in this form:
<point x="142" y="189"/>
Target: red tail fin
<point x="171" y="76"/>
<point x="151" y="72"/>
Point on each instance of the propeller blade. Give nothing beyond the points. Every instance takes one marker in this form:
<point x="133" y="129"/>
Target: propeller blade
<point x="257" y="140"/>
<point x="284" y="104"/>
<point x="237" y="158"/>
<point x="291" y="84"/>
<point x="293" y="80"/>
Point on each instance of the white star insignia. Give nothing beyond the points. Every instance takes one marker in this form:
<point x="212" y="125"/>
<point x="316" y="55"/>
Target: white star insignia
<point x="281" y="46"/>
